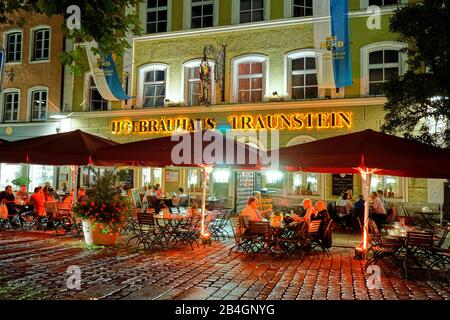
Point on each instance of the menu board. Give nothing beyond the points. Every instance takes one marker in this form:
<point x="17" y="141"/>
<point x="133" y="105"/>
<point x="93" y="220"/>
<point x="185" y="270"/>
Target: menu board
<point x="172" y="176"/>
<point x="135" y="197"/>
<point x="341" y="183"/>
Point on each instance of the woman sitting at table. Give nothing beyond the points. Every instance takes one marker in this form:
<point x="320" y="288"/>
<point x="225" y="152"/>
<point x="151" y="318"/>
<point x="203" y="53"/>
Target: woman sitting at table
<point x="378" y="210"/>
<point x="159" y="191"/>
<point x="47" y="194"/>
<point x="311" y="212"/>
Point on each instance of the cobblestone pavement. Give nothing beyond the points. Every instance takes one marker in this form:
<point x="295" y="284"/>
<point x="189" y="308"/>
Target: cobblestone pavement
<point x="34" y="266"/>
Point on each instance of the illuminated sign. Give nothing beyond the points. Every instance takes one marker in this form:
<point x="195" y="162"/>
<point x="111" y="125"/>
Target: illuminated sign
<point x="292" y="121"/>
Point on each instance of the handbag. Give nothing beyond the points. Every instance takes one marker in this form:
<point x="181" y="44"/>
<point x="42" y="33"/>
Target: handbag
<point x="3" y="210"/>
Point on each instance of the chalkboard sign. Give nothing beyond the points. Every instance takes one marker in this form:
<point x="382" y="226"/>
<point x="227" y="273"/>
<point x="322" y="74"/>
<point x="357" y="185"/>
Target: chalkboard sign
<point x="135" y="197"/>
<point x="342" y="183"/>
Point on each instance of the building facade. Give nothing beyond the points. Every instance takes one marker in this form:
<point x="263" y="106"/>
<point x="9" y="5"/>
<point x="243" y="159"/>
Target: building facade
<point x="32" y="87"/>
<point x="263" y="66"/>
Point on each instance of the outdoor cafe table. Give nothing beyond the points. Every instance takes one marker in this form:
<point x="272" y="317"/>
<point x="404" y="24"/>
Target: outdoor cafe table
<point x="427" y="216"/>
<point x="169" y="226"/>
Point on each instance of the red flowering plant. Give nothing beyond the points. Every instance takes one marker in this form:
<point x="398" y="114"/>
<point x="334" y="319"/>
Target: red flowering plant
<point x="106" y="208"/>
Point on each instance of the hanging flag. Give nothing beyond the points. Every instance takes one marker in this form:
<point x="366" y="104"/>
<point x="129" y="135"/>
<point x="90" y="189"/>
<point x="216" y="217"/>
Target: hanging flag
<point x="104" y="72"/>
<point x="332" y="44"/>
<point x="2" y="64"/>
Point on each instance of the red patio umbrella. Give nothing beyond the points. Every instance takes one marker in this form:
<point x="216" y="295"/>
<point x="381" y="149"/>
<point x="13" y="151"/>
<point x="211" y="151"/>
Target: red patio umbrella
<point x="365" y="153"/>
<point x="185" y="149"/>
<point x="69" y="148"/>
<point x="3" y="141"/>
<point x="192" y="149"/>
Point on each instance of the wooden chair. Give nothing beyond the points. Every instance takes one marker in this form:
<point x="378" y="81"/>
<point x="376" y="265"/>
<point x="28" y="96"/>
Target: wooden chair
<point x="147" y="231"/>
<point x="313" y="233"/>
<point x="259" y="236"/>
<point x="419" y="247"/>
<point x="341" y="216"/>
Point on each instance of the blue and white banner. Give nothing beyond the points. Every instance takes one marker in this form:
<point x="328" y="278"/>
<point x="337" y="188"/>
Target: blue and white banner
<point x="2" y="65"/>
<point x="332" y="43"/>
<point x="105" y="75"/>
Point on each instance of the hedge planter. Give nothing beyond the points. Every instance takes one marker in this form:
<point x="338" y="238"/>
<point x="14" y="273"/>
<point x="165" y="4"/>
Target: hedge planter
<point x="94" y="235"/>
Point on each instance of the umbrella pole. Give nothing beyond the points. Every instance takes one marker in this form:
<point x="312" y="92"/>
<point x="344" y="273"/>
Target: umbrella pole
<point x="206" y="172"/>
<point x="74" y="171"/>
<point x="366" y="175"/>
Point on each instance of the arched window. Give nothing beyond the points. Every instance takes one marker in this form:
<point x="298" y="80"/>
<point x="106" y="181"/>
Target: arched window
<point x="152" y="85"/>
<point x="249" y="78"/>
<point x="40" y="44"/>
<point x="192" y="83"/>
<point x="38" y="100"/>
<point x="14" y="45"/>
<point x="302" y="75"/>
<point x="11" y="105"/>
<point x="380" y="62"/>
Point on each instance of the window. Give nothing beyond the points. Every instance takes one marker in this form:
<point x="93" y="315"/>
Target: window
<point x="151" y="176"/>
<point x="41" y="44"/>
<point x="11" y="106"/>
<point x="157" y="16"/>
<point x="154" y="88"/>
<point x="96" y="101"/>
<point x="39" y="175"/>
<point x="193" y="85"/>
<point x="9" y="172"/>
<point x="303" y="78"/>
<point x="301" y="183"/>
<point x="383" y="2"/>
<point x="384" y="65"/>
<point x="249" y="78"/>
<point x="381" y="62"/>
<point x="39" y="105"/>
<point x="251" y="11"/>
<point x="391" y="186"/>
<point x="202" y="13"/>
<point x="302" y="8"/>
<point x="14" y="47"/>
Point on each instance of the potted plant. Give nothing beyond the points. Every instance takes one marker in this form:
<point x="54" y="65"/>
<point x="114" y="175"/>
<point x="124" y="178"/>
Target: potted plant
<point x="104" y="212"/>
<point x="308" y="189"/>
<point x="20" y="181"/>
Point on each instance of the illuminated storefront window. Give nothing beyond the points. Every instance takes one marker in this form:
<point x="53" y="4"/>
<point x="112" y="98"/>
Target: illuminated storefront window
<point x="391" y="186"/>
<point x="39" y="175"/>
<point x="302" y="183"/>
<point x="9" y="172"/>
<point x="151" y="176"/>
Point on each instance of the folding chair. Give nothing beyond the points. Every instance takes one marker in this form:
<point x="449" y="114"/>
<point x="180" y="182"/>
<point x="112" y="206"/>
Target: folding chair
<point x="419" y="248"/>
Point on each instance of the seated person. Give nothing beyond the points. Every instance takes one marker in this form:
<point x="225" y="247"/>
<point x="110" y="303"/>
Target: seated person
<point x="322" y="212"/>
<point x="378" y="211"/>
<point x="177" y="198"/>
<point x="81" y="195"/>
<point x="22" y="195"/>
<point x="359" y="204"/>
<point x="148" y="194"/>
<point x="345" y="202"/>
<point x="47" y="194"/>
<point x="68" y="201"/>
<point x="37" y="199"/>
<point x="9" y="200"/>
<point x="63" y="187"/>
<point x="311" y="212"/>
<point x="159" y="191"/>
<point x="349" y="194"/>
<point x="249" y="213"/>
<point x="383" y="200"/>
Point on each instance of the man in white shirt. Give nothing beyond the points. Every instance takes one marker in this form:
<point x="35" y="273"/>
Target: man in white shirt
<point x="251" y="212"/>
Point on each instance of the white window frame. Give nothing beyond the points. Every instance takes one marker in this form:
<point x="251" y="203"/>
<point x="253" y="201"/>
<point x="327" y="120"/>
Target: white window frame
<point x="303" y="53"/>
<point x="364" y="4"/>
<point x="142" y="71"/>
<point x="236" y="12"/>
<point x="184" y="80"/>
<point x="5" y="41"/>
<point x="289" y="10"/>
<point x="31" y="46"/>
<point x="30" y="103"/>
<point x="187" y="19"/>
<point x="143" y="16"/>
<point x="87" y="92"/>
<point x="235" y="72"/>
<point x="378" y="46"/>
<point x="3" y="100"/>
